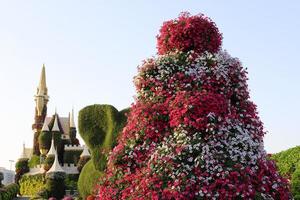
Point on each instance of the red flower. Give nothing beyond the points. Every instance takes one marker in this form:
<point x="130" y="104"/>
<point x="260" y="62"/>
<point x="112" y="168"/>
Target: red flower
<point x="187" y="33"/>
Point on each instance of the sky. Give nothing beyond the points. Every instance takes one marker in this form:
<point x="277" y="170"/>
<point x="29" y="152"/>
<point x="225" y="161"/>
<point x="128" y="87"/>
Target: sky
<point x="91" y="50"/>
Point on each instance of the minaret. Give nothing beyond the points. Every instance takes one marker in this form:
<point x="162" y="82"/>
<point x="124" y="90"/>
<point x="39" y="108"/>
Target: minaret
<point x="41" y="99"/>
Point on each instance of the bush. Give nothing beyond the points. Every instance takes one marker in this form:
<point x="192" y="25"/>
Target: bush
<point x="55" y="184"/>
<point x="45" y="140"/>
<point x="87" y="179"/>
<point x="30" y="185"/>
<point x="287" y="160"/>
<point x="9" y="192"/>
<point x="288" y="163"/>
<point x="295" y="183"/>
<point x="48" y="162"/>
<point x="34" y="161"/>
<point x="21" y="168"/>
<point x="99" y="126"/>
<point x="71" y="181"/>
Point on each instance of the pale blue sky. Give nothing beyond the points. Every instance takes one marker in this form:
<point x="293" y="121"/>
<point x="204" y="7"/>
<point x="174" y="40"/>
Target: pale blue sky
<point x="92" y="48"/>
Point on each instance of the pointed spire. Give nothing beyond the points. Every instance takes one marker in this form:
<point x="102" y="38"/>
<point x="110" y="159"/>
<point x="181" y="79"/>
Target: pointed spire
<point x="72" y="122"/>
<point x="85" y="152"/>
<point x="42" y="89"/>
<point x="55" y="124"/>
<point x="55" y="166"/>
<point x="52" y="151"/>
<point x="23" y="154"/>
<point x="45" y="127"/>
<point x="41" y="97"/>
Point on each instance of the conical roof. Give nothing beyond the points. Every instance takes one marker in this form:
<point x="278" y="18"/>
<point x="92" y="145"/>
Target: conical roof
<point x="23" y="154"/>
<point x="85" y="152"/>
<point x="52" y="151"/>
<point x="42" y="89"/>
<point x="72" y="122"/>
<point x="45" y="127"/>
<point x="55" y="125"/>
<point x="55" y="166"/>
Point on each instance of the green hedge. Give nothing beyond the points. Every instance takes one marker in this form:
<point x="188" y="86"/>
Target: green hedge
<point x="288" y="163"/>
<point x="45" y="140"/>
<point x="34" y="161"/>
<point x="21" y="168"/>
<point x="9" y="192"/>
<point x="99" y="126"/>
<point x="87" y="179"/>
<point x="55" y="184"/>
<point x="30" y="185"/>
<point x="48" y="162"/>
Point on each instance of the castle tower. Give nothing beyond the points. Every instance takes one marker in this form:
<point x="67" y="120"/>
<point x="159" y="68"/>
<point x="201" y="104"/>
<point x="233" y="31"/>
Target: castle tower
<point x="72" y="128"/>
<point x="41" y="99"/>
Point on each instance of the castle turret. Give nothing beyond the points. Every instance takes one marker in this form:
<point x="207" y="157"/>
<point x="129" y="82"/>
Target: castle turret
<point x="72" y="128"/>
<point x="41" y="99"/>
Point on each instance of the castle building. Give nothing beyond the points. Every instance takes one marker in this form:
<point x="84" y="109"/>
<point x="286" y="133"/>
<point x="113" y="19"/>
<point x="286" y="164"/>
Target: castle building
<point x="54" y="140"/>
<point x="65" y="126"/>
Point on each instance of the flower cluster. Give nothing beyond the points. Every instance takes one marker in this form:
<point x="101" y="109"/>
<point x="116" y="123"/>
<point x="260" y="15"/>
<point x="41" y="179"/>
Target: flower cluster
<point x="193" y="133"/>
<point x="187" y="33"/>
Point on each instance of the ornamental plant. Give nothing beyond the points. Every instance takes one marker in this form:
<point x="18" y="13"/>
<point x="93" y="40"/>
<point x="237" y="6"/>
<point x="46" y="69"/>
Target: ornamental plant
<point x="193" y="132"/>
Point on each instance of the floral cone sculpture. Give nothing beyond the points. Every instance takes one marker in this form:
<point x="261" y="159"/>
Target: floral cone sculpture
<point x="193" y="133"/>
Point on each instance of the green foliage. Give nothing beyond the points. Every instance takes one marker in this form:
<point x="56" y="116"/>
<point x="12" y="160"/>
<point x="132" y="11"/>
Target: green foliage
<point x="99" y="126"/>
<point x="72" y="156"/>
<point x="55" y="184"/>
<point x="288" y="160"/>
<point x="45" y="140"/>
<point x="71" y="181"/>
<point x="34" y="161"/>
<point x="87" y="179"/>
<point x="82" y="161"/>
<point x="288" y="163"/>
<point x="295" y="183"/>
<point x="48" y="162"/>
<point x="9" y="192"/>
<point x="21" y="168"/>
<point x="30" y="185"/>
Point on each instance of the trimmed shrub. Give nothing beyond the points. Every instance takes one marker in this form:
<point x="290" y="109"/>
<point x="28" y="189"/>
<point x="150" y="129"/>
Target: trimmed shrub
<point x="9" y="192"/>
<point x="48" y="162"/>
<point x="21" y="168"/>
<point x="55" y="184"/>
<point x="30" y="185"/>
<point x="45" y="140"/>
<point x="34" y="161"/>
<point x="87" y="179"/>
<point x="99" y="126"/>
<point x="71" y="181"/>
